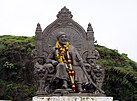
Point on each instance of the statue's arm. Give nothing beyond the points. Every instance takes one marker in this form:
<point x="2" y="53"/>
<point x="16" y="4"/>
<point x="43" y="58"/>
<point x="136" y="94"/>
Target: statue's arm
<point x="51" y="57"/>
<point x="78" y="57"/>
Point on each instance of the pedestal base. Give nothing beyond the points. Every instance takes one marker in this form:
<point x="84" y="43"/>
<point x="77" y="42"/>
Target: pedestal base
<point x="72" y="98"/>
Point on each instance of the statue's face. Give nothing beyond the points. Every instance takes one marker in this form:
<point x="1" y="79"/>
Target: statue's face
<point x="63" y="39"/>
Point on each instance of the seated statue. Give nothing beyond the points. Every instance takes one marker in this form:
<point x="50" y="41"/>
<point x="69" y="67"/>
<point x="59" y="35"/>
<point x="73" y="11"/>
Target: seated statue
<point x="68" y="64"/>
<point x="65" y="62"/>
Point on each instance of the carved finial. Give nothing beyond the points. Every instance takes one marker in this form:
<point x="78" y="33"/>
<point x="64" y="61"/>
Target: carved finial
<point x="38" y="27"/>
<point x="89" y="27"/>
<point x="38" y="24"/>
<point x="90" y="33"/>
<point x="64" y="13"/>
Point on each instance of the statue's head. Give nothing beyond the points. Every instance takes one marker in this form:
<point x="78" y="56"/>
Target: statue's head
<point x="62" y="38"/>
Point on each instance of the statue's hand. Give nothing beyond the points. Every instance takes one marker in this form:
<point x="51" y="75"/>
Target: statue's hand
<point x="54" y="62"/>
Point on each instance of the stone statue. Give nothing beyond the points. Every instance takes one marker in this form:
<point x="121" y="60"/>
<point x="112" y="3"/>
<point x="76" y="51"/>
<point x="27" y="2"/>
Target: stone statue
<point x="65" y="58"/>
<point x="67" y="61"/>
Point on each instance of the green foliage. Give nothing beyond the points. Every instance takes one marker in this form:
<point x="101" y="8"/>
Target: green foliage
<point x="121" y="74"/>
<point x="7" y="39"/>
<point x="8" y="65"/>
<point x="15" y="92"/>
<point x="2" y="47"/>
<point x="16" y="68"/>
<point x="109" y="57"/>
<point x="120" y="82"/>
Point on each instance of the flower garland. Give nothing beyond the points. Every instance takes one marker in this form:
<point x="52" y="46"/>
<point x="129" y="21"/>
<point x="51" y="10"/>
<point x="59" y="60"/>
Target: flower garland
<point x="60" y="51"/>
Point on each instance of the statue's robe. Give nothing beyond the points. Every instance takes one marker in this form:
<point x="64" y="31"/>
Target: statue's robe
<point x="61" y="71"/>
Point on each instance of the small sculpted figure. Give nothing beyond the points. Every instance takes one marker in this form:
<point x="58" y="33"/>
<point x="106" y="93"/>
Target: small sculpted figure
<point x="99" y="75"/>
<point x="40" y="72"/>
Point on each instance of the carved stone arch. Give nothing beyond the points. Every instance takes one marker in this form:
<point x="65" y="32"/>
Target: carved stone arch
<point x="73" y="30"/>
<point x="75" y="39"/>
<point x="62" y="23"/>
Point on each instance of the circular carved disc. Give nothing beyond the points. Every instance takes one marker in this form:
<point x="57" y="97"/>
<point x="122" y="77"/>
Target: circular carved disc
<point x="73" y="35"/>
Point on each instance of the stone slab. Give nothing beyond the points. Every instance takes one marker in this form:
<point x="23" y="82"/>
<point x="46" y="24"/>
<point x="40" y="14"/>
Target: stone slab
<point x="71" y="98"/>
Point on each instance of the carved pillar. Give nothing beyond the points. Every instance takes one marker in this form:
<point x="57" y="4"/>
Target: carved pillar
<point x="90" y="40"/>
<point x="38" y="36"/>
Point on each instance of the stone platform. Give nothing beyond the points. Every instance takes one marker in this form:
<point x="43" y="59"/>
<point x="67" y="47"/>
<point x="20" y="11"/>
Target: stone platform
<point x="71" y="98"/>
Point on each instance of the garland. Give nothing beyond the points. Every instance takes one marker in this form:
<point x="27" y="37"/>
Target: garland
<point x="60" y="51"/>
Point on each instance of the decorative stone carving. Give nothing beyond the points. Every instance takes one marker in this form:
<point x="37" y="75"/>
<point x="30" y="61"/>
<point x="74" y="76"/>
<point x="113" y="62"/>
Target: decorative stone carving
<point x="99" y="74"/>
<point x="40" y="72"/>
<point x="64" y="13"/>
<point x="83" y="42"/>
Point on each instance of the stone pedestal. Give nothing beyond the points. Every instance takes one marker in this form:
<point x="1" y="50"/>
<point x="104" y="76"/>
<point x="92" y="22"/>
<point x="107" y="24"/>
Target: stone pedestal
<point x="72" y="98"/>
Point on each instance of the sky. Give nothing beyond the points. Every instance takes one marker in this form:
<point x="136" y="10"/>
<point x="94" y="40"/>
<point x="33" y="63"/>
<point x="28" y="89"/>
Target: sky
<point x="114" y="21"/>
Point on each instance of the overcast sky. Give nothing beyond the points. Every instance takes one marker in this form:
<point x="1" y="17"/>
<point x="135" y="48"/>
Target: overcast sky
<point x="114" y="21"/>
